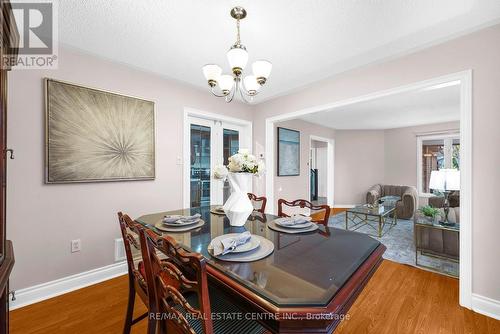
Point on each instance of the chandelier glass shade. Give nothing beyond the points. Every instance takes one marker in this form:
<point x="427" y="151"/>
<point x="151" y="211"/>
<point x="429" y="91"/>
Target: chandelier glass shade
<point x="229" y="85"/>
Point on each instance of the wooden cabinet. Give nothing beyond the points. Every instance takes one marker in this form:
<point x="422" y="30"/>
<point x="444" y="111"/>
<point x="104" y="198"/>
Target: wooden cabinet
<point x="9" y="40"/>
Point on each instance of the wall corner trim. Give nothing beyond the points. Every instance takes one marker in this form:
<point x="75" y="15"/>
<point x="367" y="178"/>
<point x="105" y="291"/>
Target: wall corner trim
<point x="487" y="306"/>
<point x="40" y="292"/>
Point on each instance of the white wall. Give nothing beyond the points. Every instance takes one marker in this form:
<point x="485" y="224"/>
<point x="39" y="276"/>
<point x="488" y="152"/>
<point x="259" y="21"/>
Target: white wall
<point x="42" y="219"/>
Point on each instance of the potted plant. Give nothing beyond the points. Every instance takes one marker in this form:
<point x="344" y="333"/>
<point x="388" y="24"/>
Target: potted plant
<point x="239" y="171"/>
<point x="429" y="212"/>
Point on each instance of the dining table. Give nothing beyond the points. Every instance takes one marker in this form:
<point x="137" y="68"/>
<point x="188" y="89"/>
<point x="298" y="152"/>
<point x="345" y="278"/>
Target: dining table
<point x="306" y="285"/>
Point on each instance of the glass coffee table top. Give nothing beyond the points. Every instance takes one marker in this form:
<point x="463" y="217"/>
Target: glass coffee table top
<point x="377" y="211"/>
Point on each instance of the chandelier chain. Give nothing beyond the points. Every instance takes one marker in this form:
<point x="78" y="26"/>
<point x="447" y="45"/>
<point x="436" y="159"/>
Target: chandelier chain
<point x="238" y="40"/>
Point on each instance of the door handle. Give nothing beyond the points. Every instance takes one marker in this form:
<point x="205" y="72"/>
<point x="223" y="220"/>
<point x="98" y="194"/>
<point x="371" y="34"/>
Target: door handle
<point x="11" y="153"/>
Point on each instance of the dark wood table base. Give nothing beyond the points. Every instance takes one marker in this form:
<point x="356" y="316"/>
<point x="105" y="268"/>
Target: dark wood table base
<point x="301" y="320"/>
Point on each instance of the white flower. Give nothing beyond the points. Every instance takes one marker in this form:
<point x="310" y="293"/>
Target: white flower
<point x="243" y="161"/>
<point x="220" y="172"/>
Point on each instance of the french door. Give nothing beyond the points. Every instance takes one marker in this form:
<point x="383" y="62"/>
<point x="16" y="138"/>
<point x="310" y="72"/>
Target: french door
<point x="211" y="143"/>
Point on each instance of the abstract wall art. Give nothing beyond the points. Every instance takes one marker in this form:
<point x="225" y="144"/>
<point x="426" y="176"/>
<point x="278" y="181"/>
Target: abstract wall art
<point x="288" y="152"/>
<point x="94" y="135"/>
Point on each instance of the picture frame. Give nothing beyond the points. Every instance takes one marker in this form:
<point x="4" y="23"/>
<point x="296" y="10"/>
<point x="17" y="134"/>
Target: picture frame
<point x="94" y="135"/>
<point x="288" y="152"/>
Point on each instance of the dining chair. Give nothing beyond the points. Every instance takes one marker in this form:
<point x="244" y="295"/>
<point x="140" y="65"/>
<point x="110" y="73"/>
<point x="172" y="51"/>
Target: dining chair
<point x="257" y="201"/>
<point x="319" y="213"/>
<point x="187" y="306"/>
<point x="136" y="273"/>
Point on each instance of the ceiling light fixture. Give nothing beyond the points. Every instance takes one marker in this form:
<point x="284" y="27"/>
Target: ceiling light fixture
<point x="237" y="56"/>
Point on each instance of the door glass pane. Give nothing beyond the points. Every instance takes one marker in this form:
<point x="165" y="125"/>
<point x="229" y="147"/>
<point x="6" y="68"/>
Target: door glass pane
<point x="200" y="165"/>
<point x="231" y="145"/>
<point x="432" y="159"/>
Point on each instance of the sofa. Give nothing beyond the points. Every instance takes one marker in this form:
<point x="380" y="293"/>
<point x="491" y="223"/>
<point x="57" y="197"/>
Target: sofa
<point x="405" y="208"/>
<point x="438" y="201"/>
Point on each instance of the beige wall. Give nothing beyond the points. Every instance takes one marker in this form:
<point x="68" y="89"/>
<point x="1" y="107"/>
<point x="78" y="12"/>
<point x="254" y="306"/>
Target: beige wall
<point x="362" y="158"/>
<point x="44" y="218"/>
<point x="295" y="187"/>
<point x="359" y="163"/>
<point x="479" y="52"/>
<point x="401" y="151"/>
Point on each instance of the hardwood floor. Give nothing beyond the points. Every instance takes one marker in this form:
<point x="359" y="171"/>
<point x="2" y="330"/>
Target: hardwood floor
<point x="398" y="299"/>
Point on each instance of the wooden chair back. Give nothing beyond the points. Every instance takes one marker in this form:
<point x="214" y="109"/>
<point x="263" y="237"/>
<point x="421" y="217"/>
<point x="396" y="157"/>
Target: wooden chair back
<point x="302" y="203"/>
<point x="256" y="200"/>
<point x="130" y="234"/>
<point x="184" y="271"/>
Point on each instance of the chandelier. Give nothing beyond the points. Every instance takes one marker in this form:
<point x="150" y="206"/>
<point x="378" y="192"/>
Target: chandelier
<point x="237" y="56"/>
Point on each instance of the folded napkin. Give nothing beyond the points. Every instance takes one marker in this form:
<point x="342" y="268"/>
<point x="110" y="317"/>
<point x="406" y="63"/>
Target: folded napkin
<point x="293" y="220"/>
<point x="178" y="219"/>
<point x="229" y="244"/>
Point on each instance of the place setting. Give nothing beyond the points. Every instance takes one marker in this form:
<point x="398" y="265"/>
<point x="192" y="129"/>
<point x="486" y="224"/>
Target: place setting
<point x="293" y="224"/>
<point x="179" y="223"/>
<point x="217" y="210"/>
<point x="240" y="247"/>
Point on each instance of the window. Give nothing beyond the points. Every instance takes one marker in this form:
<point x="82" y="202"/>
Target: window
<point x="434" y="153"/>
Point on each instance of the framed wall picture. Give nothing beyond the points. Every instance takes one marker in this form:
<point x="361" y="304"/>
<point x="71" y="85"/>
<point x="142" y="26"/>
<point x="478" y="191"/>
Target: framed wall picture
<point x="288" y="152"/>
<point x="94" y="135"/>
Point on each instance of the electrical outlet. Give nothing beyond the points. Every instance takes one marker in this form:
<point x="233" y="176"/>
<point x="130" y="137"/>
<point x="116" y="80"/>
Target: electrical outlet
<point x="119" y="250"/>
<point x="76" y="245"/>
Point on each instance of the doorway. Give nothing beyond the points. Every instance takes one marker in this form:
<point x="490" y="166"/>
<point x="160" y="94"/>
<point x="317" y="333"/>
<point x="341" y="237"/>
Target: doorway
<point x="317" y="172"/>
<point x="209" y="140"/>
<point x="464" y="80"/>
<point x="321" y="170"/>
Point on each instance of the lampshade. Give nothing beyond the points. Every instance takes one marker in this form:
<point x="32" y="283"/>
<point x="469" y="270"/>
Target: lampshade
<point x="226" y="82"/>
<point x="212" y="72"/>
<point x="452" y="179"/>
<point x="251" y="84"/>
<point x="237" y="57"/>
<point x="262" y="69"/>
<point x="445" y="179"/>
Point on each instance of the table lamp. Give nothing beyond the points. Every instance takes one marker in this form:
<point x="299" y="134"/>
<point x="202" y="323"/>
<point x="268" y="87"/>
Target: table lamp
<point x="445" y="180"/>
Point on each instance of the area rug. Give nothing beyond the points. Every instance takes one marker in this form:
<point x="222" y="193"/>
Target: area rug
<point x="400" y="245"/>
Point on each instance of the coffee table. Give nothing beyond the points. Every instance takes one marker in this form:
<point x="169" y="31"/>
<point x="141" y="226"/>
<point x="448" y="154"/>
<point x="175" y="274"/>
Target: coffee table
<point x="376" y="218"/>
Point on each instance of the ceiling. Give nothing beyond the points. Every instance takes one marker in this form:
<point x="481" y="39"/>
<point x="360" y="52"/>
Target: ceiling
<point x="306" y="40"/>
<point x="418" y="107"/>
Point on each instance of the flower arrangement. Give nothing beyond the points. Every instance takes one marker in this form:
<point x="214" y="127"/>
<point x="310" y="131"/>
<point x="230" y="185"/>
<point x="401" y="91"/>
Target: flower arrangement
<point x="241" y="162"/>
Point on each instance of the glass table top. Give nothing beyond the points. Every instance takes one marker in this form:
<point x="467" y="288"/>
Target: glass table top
<point x="304" y="269"/>
<point x="365" y="210"/>
<point x="427" y="222"/>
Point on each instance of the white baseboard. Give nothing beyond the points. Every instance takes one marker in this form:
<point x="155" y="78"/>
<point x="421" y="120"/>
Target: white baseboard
<point x="344" y="206"/>
<point x="486" y="306"/>
<point x="37" y="293"/>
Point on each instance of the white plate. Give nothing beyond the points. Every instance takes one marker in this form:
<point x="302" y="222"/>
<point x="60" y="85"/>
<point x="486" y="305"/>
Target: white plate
<point x="182" y="223"/>
<point x="217" y="210"/>
<point x="305" y="224"/>
<point x="162" y="227"/>
<point x="273" y="226"/>
<point x="297" y="226"/>
<point x="250" y="245"/>
<point x="266" y="248"/>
